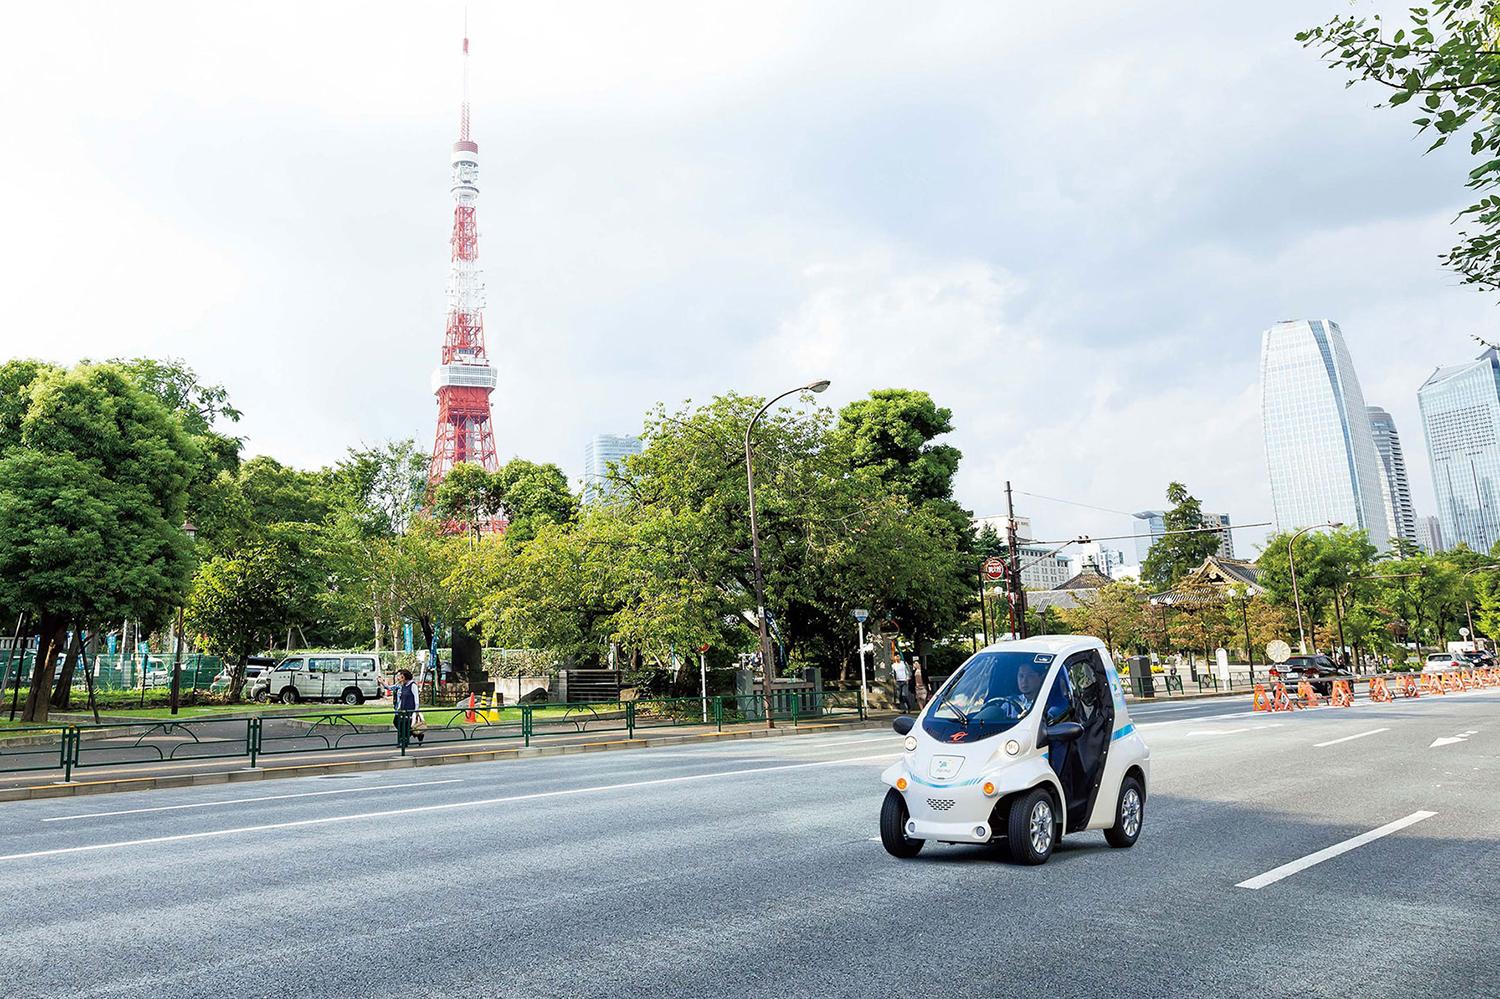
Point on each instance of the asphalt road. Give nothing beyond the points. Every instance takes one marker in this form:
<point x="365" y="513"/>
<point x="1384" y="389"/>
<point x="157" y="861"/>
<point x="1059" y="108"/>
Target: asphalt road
<point x="749" y="869"/>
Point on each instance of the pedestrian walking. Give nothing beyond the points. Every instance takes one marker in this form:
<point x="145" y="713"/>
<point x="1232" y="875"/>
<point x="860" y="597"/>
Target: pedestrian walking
<point x="902" y="673"/>
<point x="404" y="698"/>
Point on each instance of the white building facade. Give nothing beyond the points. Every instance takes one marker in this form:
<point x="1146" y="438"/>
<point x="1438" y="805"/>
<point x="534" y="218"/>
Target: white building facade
<point x="1460" y="408"/>
<point x="598" y="454"/>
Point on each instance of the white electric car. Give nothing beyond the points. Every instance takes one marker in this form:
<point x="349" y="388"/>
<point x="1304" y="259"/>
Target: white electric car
<point x="1027" y="740"/>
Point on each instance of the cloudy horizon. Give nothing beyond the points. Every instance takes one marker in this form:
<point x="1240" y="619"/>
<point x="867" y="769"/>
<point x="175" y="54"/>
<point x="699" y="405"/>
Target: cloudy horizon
<point x="1069" y="227"/>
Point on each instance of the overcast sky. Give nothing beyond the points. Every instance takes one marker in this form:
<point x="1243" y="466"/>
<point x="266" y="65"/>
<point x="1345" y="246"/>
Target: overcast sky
<point x="1069" y="223"/>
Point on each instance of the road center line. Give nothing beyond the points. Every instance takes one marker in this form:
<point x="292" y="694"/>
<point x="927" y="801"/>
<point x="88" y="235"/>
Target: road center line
<point x="445" y="807"/>
<point x="246" y="801"/>
<point x="1327" y="853"/>
<point x="1361" y="735"/>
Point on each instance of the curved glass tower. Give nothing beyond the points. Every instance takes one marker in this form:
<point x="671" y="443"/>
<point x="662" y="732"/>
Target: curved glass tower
<point x="1319" y="449"/>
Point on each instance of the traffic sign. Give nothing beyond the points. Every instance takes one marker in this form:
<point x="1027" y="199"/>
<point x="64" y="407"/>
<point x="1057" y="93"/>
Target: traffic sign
<point x="860" y="614"/>
<point x="994" y="568"/>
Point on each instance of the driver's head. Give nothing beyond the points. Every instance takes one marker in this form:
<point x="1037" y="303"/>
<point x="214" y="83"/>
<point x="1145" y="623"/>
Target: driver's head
<point x="1029" y="679"/>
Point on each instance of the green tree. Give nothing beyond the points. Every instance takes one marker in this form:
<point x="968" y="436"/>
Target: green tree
<point x="379" y="489"/>
<point x="1447" y="59"/>
<point x="240" y="602"/>
<point x="468" y="496"/>
<point x="530" y="495"/>
<point x="1113" y="613"/>
<point x="891" y="432"/>
<point x="94" y="478"/>
<point x="1175" y="554"/>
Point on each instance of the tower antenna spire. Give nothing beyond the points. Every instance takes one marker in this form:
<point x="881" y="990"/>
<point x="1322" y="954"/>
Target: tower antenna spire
<point x="463" y="118"/>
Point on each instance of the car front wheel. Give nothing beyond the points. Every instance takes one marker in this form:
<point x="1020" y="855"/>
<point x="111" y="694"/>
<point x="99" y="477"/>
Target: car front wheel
<point x="1129" y="816"/>
<point x="1032" y="828"/>
<point x="893" y="836"/>
<point x="289" y="696"/>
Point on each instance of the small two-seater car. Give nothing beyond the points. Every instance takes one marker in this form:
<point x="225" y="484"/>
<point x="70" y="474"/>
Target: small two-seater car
<point x="1028" y="740"/>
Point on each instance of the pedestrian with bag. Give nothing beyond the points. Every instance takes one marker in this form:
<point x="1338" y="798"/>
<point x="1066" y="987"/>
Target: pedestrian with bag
<point x="405" y="699"/>
<point x="902" y="673"/>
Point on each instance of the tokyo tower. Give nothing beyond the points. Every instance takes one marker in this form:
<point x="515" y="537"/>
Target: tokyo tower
<point x="464" y="380"/>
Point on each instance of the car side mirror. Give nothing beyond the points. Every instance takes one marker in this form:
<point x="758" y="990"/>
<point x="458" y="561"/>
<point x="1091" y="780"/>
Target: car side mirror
<point x="1061" y="732"/>
<point x="1055" y="713"/>
<point x="903" y="724"/>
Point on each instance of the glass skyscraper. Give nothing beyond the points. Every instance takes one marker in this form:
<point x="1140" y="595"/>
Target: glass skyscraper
<point x="598" y="454"/>
<point x="1320" y="451"/>
<point x="1461" y="418"/>
<point x="1152" y="524"/>
<point x="1400" y="515"/>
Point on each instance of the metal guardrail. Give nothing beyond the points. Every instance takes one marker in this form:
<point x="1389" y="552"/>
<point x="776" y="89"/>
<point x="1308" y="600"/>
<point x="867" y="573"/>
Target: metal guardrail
<point x="71" y="747"/>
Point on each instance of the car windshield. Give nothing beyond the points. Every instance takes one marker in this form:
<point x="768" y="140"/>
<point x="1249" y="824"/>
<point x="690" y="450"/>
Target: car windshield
<point x="989" y="694"/>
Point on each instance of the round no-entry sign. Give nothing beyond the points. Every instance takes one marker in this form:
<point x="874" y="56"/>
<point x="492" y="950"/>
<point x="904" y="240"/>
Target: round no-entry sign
<point x="994" y="568"/>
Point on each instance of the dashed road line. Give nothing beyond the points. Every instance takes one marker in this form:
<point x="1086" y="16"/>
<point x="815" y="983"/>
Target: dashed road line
<point x="1275" y="874"/>
<point x="1349" y="738"/>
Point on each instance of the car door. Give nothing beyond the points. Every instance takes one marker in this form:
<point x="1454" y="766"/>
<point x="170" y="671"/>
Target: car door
<point x="1081" y="694"/>
<point x="359" y="672"/>
<point x="287" y="674"/>
<point x="323" y="672"/>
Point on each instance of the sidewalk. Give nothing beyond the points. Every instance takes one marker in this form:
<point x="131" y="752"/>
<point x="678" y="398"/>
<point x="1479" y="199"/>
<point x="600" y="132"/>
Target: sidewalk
<point x="183" y="773"/>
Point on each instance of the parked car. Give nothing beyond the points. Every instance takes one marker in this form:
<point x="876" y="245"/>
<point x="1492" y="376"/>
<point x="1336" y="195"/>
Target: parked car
<point x="1443" y="662"/>
<point x="1319" y="669"/>
<point x="1483" y="658"/>
<point x="255" y="666"/>
<point x="348" y="677"/>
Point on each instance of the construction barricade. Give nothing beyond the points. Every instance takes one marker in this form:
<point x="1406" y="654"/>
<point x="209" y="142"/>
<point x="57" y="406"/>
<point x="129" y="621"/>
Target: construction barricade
<point x="1306" y="696"/>
<point x="1342" y="696"/>
<point x="1379" y="692"/>
<point x="1409" y="686"/>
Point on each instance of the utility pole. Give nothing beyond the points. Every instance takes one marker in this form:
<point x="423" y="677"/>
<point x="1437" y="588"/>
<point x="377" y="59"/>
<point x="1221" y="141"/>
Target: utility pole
<point x="1016" y="593"/>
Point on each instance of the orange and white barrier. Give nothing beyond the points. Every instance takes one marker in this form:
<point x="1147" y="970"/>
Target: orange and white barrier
<point x="1432" y="683"/>
<point x="1409" y="686"/>
<point x="1261" y="701"/>
<point x="1379" y="692"/>
<point x="1306" y="696"/>
<point x="1343" y="697"/>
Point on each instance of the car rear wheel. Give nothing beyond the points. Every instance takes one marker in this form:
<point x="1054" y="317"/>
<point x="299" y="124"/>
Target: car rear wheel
<point x="1032" y="828"/>
<point x="289" y="696"/>
<point x="893" y="816"/>
<point x="1129" y="816"/>
<point x="352" y="696"/>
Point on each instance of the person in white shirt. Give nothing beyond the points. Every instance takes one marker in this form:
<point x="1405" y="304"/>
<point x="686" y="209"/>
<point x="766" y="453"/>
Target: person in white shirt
<point x="902" y="673"/>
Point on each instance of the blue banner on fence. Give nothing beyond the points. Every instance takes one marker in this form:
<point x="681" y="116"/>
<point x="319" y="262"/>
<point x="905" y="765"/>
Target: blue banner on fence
<point x="408" y="636"/>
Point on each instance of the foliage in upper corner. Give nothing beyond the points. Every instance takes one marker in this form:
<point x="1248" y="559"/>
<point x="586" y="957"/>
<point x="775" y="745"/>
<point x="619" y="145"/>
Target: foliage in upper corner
<point x="1448" y="59"/>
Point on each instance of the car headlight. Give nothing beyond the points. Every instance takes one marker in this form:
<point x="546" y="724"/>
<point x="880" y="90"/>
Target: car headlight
<point x="910" y="743"/>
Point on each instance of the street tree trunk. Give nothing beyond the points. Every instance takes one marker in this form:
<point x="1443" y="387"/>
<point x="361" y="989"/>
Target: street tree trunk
<point x="62" y="694"/>
<point x="38" y="698"/>
<point x="237" y="676"/>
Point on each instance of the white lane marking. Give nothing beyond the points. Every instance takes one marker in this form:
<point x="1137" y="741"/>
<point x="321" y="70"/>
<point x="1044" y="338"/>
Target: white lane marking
<point x="444" y="807"/>
<point x="1219" y="731"/>
<point x="1449" y="740"/>
<point x="1347" y="738"/>
<point x="1328" y="853"/>
<point x="246" y="801"/>
<point x="1196" y="718"/>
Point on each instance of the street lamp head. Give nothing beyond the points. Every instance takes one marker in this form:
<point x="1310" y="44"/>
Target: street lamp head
<point x="819" y="386"/>
<point x="1335" y="524"/>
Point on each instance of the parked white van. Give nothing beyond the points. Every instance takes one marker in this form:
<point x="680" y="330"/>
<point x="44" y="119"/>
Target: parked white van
<point x="351" y="678"/>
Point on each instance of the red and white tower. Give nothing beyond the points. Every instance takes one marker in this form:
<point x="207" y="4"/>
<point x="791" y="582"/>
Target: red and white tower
<point x="464" y="380"/>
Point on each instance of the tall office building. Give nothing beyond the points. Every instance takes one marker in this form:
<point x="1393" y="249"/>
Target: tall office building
<point x="1150" y="525"/>
<point x="1320" y="452"/>
<point x="601" y="452"/>
<point x="1461" y="417"/>
<point x="1430" y="534"/>
<point x="1400" y="515"/>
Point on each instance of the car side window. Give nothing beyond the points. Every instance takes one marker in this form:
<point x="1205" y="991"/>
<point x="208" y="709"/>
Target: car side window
<point x="1086" y="687"/>
<point x="290" y="665"/>
<point x="324" y="665"/>
<point x="362" y="664"/>
<point x="1060" y="700"/>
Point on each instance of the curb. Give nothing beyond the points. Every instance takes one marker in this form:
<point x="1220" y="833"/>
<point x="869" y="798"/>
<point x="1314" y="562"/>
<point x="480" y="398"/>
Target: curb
<point x="76" y="788"/>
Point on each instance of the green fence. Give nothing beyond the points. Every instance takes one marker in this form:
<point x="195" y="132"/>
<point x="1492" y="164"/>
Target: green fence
<point x="369" y="730"/>
<point x="123" y="672"/>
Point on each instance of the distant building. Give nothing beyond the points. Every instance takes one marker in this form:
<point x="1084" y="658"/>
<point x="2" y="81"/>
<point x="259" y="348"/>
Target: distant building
<point x="1395" y="490"/>
<point x="1460" y="408"/>
<point x="1150" y="525"/>
<point x="1320" y="451"/>
<point x="1000" y="524"/>
<point x="1093" y="555"/>
<point x="1042" y="568"/>
<point x="1070" y="593"/>
<point x="1430" y="534"/>
<point x="599" y="454"/>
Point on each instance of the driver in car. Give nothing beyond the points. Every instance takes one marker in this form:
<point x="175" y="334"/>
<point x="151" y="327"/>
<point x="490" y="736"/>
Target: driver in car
<point x="1029" y="682"/>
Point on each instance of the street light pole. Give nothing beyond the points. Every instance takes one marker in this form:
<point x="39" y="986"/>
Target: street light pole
<point x="1291" y="559"/>
<point x="767" y="661"/>
<point x="191" y="532"/>
<point x="860" y="614"/>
